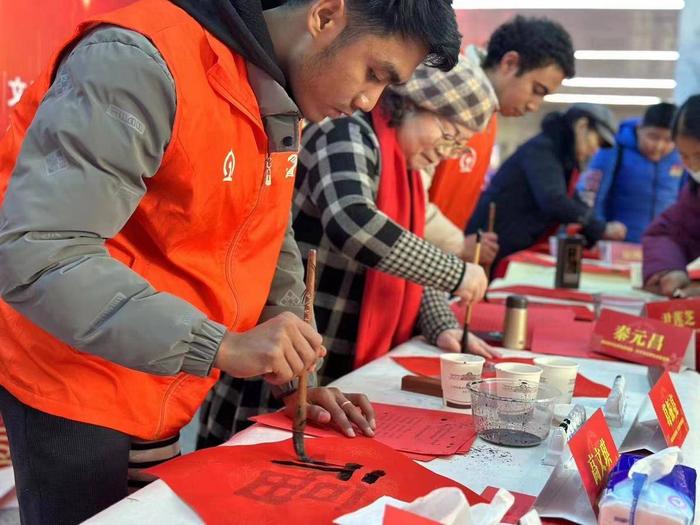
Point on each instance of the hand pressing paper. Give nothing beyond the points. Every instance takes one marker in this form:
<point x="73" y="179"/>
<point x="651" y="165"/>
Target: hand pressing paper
<point x="266" y="483"/>
<point x="408" y="429"/>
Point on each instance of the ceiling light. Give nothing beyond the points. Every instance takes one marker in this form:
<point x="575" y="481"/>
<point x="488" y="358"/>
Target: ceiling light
<point x="674" y="5"/>
<point x="630" y="83"/>
<point x="595" y="54"/>
<point x="610" y="100"/>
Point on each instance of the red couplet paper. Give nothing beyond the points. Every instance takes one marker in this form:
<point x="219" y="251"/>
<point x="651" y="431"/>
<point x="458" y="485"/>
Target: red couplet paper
<point x="267" y="484"/>
<point x="569" y="340"/>
<point x="669" y="411"/>
<point x="397" y="516"/>
<point x="595" y="454"/>
<point x="408" y="429"/>
<point x="429" y="366"/>
<point x="521" y="506"/>
<point x="641" y="340"/>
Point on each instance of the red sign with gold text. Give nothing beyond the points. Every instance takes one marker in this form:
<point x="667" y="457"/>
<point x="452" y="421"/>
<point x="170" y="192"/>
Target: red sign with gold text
<point x="683" y="313"/>
<point x="595" y="454"/>
<point x="616" y="252"/>
<point x="669" y="411"/>
<point x="642" y="340"/>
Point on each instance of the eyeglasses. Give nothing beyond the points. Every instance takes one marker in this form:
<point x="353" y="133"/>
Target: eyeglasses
<point x="450" y="145"/>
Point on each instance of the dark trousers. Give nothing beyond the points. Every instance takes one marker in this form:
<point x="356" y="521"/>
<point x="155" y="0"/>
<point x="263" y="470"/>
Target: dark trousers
<point x="65" y="471"/>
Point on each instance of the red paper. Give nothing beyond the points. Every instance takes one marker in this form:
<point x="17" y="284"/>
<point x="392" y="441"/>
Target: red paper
<point x="408" y="429"/>
<point x="569" y="340"/>
<point x="595" y="454"/>
<point x="429" y="366"/>
<point x="641" y="340"/>
<point x="522" y="505"/>
<point x="397" y="516"/>
<point x="669" y="411"/>
<point x="586" y="388"/>
<point x="490" y="317"/>
<point x="242" y="485"/>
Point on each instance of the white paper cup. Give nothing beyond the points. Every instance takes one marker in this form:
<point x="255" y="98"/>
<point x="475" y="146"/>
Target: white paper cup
<point x="522" y="371"/>
<point x="560" y="373"/>
<point x="456" y="372"/>
<point x="529" y="374"/>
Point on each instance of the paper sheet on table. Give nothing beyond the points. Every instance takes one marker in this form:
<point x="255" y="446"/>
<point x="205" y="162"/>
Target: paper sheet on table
<point x="266" y="484"/>
<point x="570" y="340"/>
<point x="409" y="429"/>
<point x="430" y="366"/>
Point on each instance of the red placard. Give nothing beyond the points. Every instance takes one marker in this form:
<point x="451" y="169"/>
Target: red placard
<point x="684" y="313"/>
<point x="669" y="411"/>
<point x="616" y="252"/>
<point x="595" y="454"/>
<point x="641" y="340"/>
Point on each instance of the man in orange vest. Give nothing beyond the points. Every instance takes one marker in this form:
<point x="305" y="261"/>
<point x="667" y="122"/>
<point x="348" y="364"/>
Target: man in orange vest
<point x="145" y="243"/>
<point x="526" y="59"/>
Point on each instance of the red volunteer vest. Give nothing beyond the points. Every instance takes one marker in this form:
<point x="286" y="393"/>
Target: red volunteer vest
<point x="210" y="239"/>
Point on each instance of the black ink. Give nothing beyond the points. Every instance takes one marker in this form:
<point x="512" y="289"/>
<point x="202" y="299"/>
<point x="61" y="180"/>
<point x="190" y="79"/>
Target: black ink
<point x="344" y="472"/>
<point x="373" y="476"/>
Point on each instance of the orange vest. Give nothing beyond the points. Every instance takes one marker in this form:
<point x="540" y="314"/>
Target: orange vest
<point x="457" y="183"/>
<point x="211" y="241"/>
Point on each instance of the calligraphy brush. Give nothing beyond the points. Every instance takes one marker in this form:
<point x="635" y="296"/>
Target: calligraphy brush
<point x="300" y="417"/>
<point x="492" y="217"/>
<point x="468" y="314"/>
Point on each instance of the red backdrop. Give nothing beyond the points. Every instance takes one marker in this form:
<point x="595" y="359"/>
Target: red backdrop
<point x="30" y="31"/>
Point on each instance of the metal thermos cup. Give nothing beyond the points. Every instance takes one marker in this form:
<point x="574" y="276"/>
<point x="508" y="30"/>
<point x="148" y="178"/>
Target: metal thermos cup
<point x="515" y="327"/>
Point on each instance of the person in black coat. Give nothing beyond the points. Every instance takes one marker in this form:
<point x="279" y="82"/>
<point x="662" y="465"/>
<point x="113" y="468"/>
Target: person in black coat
<point x="532" y="187"/>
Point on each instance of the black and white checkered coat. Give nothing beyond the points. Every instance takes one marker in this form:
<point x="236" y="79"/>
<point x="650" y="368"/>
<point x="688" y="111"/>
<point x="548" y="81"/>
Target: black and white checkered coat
<point x="335" y="212"/>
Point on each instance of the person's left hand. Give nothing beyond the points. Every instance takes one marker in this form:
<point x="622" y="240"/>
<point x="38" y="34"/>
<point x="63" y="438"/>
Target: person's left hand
<point x="328" y="404"/>
<point x="451" y="341"/>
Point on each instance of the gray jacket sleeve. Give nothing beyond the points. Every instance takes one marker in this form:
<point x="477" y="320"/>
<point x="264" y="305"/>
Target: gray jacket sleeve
<point x="287" y="295"/>
<point x="100" y="131"/>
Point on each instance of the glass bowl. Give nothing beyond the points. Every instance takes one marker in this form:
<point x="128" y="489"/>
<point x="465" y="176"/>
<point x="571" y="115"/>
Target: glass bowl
<point x="512" y="412"/>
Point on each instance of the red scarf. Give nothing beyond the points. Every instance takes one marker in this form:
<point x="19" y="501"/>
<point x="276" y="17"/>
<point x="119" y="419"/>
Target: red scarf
<point x="390" y="304"/>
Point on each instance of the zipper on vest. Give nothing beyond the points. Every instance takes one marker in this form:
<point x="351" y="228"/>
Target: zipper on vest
<point x="267" y="182"/>
<point x="268" y="170"/>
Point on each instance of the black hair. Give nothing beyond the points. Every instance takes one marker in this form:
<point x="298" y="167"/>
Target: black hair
<point x="659" y="115"/>
<point x="431" y="22"/>
<point x="687" y="121"/>
<point x="540" y="42"/>
<point x="395" y="107"/>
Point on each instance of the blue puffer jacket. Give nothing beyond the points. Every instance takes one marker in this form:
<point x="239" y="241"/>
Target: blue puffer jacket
<point x="640" y="190"/>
